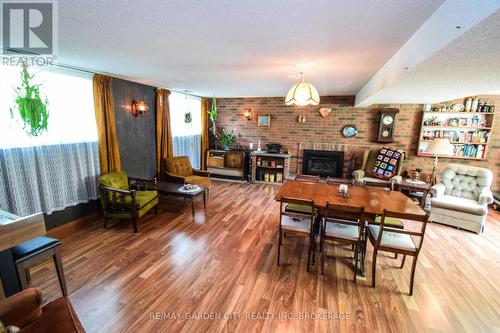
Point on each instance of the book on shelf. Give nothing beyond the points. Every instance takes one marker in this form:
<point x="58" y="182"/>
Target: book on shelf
<point x="470" y="151"/>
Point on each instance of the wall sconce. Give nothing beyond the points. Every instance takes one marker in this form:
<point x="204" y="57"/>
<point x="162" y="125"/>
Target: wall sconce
<point x="301" y="119"/>
<point x="139" y="108"/>
<point x="248" y="114"/>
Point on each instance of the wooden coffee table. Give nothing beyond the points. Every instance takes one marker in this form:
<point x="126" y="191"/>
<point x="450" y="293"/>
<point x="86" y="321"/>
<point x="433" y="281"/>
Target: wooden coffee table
<point x="170" y="188"/>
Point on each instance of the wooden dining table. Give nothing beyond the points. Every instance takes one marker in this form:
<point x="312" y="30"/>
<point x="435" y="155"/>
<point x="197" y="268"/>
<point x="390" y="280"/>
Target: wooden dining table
<point x="374" y="200"/>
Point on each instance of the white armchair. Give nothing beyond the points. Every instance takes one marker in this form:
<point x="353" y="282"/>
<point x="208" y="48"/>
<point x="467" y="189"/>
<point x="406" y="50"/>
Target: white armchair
<point x="461" y="198"/>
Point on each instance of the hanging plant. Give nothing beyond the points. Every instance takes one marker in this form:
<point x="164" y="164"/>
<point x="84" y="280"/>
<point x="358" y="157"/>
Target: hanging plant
<point x="188" y="118"/>
<point x="30" y="106"/>
<point x="212" y="114"/>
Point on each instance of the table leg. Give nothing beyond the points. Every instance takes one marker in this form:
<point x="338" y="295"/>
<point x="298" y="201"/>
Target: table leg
<point x="192" y="205"/>
<point x="205" y="200"/>
<point x="8" y="273"/>
<point x="424" y="197"/>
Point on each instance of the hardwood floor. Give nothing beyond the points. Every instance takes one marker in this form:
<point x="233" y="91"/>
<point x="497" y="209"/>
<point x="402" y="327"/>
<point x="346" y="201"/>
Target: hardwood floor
<point x="223" y="263"/>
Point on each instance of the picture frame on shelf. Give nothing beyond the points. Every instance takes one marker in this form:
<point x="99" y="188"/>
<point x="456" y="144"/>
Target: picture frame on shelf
<point x="264" y="120"/>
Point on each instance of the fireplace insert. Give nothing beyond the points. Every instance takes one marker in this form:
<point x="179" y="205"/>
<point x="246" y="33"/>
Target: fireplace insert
<point x="323" y="163"/>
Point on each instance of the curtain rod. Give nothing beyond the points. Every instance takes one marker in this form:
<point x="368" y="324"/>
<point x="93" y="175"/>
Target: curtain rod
<point x="78" y="69"/>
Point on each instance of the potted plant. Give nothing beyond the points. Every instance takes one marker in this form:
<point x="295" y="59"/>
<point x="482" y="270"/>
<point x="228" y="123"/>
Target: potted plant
<point x="226" y="139"/>
<point x="30" y="106"/>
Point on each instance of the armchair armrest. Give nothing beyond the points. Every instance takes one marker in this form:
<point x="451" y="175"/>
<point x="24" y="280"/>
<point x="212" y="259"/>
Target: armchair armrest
<point x="358" y="174"/>
<point x="174" y="178"/>
<point x="395" y="180"/>
<point x="201" y="173"/>
<point x="22" y="308"/>
<point x="117" y="190"/>
<point x="485" y="197"/>
<point x="438" y="190"/>
<point x="141" y="184"/>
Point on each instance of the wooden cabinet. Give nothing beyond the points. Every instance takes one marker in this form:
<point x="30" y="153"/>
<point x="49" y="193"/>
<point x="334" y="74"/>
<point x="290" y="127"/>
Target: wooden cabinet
<point x="230" y="164"/>
<point x="270" y="167"/>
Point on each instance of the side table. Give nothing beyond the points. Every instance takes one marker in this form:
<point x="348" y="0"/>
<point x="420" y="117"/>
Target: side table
<point x="407" y="186"/>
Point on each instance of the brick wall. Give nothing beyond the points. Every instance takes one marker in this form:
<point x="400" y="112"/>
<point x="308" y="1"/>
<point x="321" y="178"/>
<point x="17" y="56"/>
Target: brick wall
<point x="325" y="133"/>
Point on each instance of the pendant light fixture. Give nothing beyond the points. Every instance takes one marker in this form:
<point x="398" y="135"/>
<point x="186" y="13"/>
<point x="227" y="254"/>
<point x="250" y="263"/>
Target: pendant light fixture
<point x="302" y="93"/>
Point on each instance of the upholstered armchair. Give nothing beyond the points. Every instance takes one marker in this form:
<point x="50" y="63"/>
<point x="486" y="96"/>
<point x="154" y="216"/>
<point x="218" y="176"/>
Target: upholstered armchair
<point x="179" y="170"/>
<point x="26" y="311"/>
<point x="461" y="198"/>
<point x="119" y="201"/>
<point x="369" y="159"/>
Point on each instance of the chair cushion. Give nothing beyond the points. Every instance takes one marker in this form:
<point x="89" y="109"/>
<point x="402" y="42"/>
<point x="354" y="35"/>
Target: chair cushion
<point x="199" y="180"/>
<point x="390" y="222"/>
<point x="392" y="239"/>
<point x="179" y="166"/>
<point x="57" y="317"/>
<point x="33" y="246"/>
<point x="465" y="181"/>
<point x="344" y="231"/>
<point x="117" y="180"/>
<point x="302" y="209"/>
<point x="459" y="204"/>
<point x="141" y="198"/>
<point x="296" y="224"/>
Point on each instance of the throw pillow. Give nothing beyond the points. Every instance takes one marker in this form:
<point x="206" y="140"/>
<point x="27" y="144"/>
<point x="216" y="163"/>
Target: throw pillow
<point x="386" y="165"/>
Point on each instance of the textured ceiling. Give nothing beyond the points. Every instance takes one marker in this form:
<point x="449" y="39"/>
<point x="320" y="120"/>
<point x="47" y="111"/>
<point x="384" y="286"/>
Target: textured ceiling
<point x="234" y="48"/>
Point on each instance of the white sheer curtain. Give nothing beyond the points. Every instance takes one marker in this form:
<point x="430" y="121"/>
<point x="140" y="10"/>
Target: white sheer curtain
<point x="60" y="167"/>
<point x="186" y="136"/>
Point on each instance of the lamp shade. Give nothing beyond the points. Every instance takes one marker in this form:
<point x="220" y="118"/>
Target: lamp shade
<point x="303" y="93"/>
<point x="440" y="147"/>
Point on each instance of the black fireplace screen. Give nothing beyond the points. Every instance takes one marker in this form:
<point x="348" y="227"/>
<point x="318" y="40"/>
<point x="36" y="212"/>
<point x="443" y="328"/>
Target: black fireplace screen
<point x="323" y="163"/>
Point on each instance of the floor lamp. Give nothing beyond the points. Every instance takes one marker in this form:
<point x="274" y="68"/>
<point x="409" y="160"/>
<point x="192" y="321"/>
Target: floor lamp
<point x="439" y="147"/>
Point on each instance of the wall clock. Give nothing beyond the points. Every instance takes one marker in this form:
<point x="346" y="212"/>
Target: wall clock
<point x="386" y="127"/>
<point x="349" y="131"/>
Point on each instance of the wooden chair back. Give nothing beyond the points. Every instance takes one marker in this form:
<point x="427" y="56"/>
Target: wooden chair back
<point x="288" y="200"/>
<point x="338" y="181"/>
<point x="307" y="178"/>
<point x="384" y="185"/>
<point x="422" y="219"/>
<point x="352" y="215"/>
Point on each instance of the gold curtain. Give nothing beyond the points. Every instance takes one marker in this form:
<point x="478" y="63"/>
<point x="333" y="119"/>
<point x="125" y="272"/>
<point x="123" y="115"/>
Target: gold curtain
<point x="109" y="150"/>
<point x="164" y="146"/>
<point x="204" y="132"/>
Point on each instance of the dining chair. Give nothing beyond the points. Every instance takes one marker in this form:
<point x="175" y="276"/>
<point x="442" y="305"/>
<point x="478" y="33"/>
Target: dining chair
<point x="307" y="178"/>
<point x="339" y="181"/>
<point x="375" y="184"/>
<point x="300" y="209"/>
<point x="390" y="221"/>
<point x="398" y="241"/>
<point x="342" y="224"/>
<point x="297" y="224"/>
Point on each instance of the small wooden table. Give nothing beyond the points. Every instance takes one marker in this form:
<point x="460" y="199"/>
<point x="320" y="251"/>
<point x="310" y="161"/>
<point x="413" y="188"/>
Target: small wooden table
<point x="408" y="186"/>
<point x="15" y="230"/>
<point x="171" y="188"/>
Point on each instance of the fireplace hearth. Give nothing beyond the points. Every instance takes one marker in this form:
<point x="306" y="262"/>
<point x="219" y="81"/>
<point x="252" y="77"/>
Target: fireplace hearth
<point x="323" y="163"/>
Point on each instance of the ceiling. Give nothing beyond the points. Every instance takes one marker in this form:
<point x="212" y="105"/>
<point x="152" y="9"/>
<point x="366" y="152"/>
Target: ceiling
<point x="231" y="48"/>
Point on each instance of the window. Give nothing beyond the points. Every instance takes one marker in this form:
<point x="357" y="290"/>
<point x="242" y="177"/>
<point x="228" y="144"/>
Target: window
<point x="60" y="167"/>
<point x="186" y="135"/>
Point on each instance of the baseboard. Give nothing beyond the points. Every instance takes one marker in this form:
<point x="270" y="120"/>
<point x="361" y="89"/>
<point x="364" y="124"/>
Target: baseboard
<point x="73" y="226"/>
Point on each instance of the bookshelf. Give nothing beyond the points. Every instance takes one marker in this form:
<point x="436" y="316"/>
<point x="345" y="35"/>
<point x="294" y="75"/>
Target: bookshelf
<point x="469" y="132"/>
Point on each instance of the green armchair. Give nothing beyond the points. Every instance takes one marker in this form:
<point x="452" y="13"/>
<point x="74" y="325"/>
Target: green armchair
<point x="119" y="201"/>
